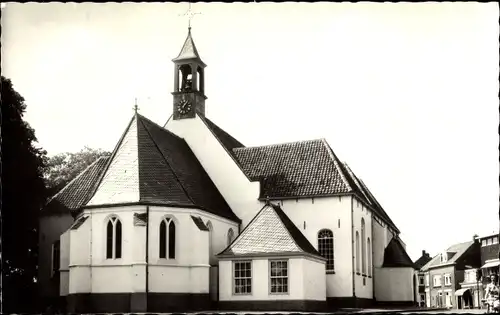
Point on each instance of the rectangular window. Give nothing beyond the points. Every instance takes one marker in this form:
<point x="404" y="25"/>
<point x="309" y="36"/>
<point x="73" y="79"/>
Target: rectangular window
<point x="421" y="280"/>
<point x="447" y="280"/>
<point x="495" y="240"/>
<point x="490" y="241"/>
<point x="437" y="280"/>
<point x="242" y="277"/>
<point x="483" y="242"/>
<point x="278" y="276"/>
<point x="56" y="256"/>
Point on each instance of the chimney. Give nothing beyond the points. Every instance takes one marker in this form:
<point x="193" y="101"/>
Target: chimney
<point x="423" y="252"/>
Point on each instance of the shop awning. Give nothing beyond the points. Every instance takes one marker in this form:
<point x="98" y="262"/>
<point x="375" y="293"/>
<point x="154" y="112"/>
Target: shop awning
<point x="460" y="292"/>
<point x="491" y="264"/>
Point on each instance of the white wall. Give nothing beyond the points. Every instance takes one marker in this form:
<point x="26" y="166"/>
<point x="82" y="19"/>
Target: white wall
<point x="64" y="263"/>
<point x="299" y="285"/>
<point x="51" y="227"/>
<point x="394" y="284"/>
<point x="363" y="290"/>
<point x="238" y="191"/>
<point x="333" y="213"/>
<point x="188" y="272"/>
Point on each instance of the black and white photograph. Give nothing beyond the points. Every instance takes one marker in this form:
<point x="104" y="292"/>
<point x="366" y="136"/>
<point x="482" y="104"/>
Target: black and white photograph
<point x="258" y="157"/>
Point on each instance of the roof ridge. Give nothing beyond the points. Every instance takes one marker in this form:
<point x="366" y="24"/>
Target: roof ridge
<point x="278" y="144"/>
<point x="166" y="161"/>
<point x="76" y="178"/>
<point x="336" y="162"/>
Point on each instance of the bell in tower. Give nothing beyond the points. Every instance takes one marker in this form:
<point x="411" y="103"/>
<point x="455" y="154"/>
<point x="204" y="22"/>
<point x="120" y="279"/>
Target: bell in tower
<point x="189" y="92"/>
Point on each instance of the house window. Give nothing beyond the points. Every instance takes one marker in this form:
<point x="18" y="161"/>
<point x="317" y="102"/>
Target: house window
<point x="326" y="248"/>
<point x="357" y="252"/>
<point x="210" y="242"/>
<point x="167" y="238"/>
<point x="230" y="237"/>
<point x="437" y="280"/>
<point x="363" y="247"/>
<point x="114" y="238"/>
<point x="447" y="280"/>
<point x="483" y="242"/>
<point x="421" y="280"/>
<point x="495" y="240"/>
<point x="242" y="278"/>
<point x="369" y="254"/>
<point x="490" y="241"/>
<point x="279" y="276"/>
<point x="56" y="256"/>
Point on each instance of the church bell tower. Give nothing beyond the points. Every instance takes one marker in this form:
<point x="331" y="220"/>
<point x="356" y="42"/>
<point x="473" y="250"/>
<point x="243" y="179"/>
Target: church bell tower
<point x="189" y="82"/>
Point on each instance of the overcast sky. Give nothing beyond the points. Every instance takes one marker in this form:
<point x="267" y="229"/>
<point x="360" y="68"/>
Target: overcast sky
<point x="406" y="94"/>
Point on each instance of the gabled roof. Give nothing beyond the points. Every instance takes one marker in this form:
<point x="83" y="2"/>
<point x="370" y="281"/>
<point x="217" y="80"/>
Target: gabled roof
<point x="424" y="259"/>
<point x="78" y="191"/>
<point x="457" y="250"/>
<point x="152" y="165"/>
<point x="270" y="232"/>
<point x="297" y="169"/>
<point x="188" y="50"/>
<point x="227" y="141"/>
<point x="396" y="256"/>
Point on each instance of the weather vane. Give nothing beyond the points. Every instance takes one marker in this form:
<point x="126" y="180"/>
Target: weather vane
<point x="190" y="14"/>
<point x="136" y="107"/>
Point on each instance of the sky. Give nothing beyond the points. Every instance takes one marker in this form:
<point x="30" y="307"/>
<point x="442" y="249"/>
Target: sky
<point x="405" y="93"/>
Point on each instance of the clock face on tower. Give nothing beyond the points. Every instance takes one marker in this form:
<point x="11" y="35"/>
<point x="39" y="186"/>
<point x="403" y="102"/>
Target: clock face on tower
<point x="184" y="107"/>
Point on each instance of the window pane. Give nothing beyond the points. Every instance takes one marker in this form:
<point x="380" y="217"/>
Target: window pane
<point x="163" y="240"/>
<point x="171" y="240"/>
<point x="109" y="240"/>
<point x="118" y="249"/>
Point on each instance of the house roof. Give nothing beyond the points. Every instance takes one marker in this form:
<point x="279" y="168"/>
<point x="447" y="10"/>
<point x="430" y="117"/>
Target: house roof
<point x="396" y="256"/>
<point x="424" y="259"/>
<point x="458" y="250"/>
<point x="270" y="232"/>
<point x="152" y="165"/>
<point x="188" y="50"/>
<point x="78" y="191"/>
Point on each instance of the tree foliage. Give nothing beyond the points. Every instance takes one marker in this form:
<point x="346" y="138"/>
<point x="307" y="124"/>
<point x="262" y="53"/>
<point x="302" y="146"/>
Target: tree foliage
<point x="23" y="195"/>
<point x="64" y="167"/>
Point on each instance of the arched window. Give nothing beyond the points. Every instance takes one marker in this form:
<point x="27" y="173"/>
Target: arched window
<point x="363" y="247"/>
<point x="325" y="248"/>
<point x="167" y="238"/>
<point x="369" y="254"/>
<point x="114" y="238"/>
<point x="210" y="241"/>
<point x="230" y="237"/>
<point x="357" y="251"/>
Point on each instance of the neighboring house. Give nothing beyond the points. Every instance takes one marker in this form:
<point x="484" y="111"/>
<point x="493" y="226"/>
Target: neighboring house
<point x="489" y="256"/>
<point x="445" y="271"/>
<point x="152" y="219"/>
<point x="419" y="263"/>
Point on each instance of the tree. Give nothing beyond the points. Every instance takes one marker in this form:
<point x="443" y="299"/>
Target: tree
<point x="23" y="195"/>
<point x="64" y="167"/>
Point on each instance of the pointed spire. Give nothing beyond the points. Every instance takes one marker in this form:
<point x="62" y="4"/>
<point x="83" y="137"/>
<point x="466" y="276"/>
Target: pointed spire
<point x="189" y="50"/>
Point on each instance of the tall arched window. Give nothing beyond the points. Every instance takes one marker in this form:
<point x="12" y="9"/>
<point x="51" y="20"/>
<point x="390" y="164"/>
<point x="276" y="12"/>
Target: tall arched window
<point x="167" y="238"/>
<point x="363" y="247"/>
<point x="114" y="238"/>
<point x="357" y="251"/>
<point x="369" y="254"/>
<point x="230" y="236"/>
<point x="210" y="241"/>
<point x="326" y="248"/>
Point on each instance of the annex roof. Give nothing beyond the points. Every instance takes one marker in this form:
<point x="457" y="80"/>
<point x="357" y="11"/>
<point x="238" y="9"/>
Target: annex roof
<point x="270" y="232"/>
<point x="396" y="256"/>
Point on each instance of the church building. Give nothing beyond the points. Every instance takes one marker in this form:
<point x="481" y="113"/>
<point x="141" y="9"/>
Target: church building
<point x="184" y="217"/>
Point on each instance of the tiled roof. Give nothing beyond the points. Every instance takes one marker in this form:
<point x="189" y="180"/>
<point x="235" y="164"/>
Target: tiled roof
<point x="77" y="192"/>
<point x="227" y="141"/>
<point x="199" y="223"/>
<point x="151" y="164"/>
<point x="396" y="256"/>
<point x="270" y="232"/>
<point x="424" y="259"/>
<point x="297" y="169"/>
<point x="458" y="250"/>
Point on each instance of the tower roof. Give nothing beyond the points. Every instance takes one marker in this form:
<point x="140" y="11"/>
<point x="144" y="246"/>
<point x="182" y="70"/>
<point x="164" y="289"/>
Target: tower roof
<point x="189" y="51"/>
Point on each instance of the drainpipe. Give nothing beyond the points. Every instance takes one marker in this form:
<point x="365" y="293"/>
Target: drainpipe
<point x="147" y="256"/>
<point x="352" y="248"/>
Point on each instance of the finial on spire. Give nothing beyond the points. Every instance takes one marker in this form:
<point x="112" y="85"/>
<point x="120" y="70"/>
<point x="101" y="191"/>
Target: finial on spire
<point x="190" y="14"/>
<point x="136" y="107"/>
